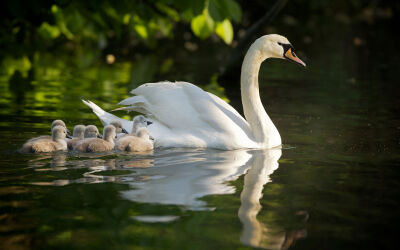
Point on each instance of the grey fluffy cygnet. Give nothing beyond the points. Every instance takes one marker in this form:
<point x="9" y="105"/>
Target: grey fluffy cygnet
<point x="78" y="134"/>
<point x="53" y="124"/>
<point x="139" y="143"/>
<point x="56" y="143"/>
<point x="97" y="144"/>
<point x="91" y="131"/>
<point x="118" y="127"/>
<point x="138" y="122"/>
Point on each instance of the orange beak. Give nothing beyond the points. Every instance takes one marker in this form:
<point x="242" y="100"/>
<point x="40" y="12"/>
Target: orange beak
<point x="289" y="54"/>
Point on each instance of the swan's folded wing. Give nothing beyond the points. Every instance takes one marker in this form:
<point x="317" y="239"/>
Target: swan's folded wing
<point x="184" y="106"/>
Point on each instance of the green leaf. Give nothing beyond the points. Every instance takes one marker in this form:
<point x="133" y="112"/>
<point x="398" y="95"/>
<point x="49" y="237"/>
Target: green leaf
<point x="225" y="31"/>
<point x="234" y="9"/>
<point x="140" y="27"/>
<point x="141" y="30"/>
<point x="217" y="10"/>
<point x="49" y="31"/>
<point x="126" y="19"/>
<point x="202" y="25"/>
<point x="169" y="11"/>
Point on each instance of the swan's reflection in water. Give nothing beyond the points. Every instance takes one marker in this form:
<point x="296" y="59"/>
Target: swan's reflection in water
<point x="208" y="172"/>
<point x="182" y="181"/>
<point x="262" y="165"/>
<point x="181" y="177"/>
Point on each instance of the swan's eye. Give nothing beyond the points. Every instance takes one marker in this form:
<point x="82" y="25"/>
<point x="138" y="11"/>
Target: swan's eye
<point x="280" y="43"/>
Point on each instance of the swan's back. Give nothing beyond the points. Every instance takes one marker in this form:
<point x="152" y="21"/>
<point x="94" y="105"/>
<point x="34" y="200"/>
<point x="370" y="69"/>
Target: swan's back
<point x="203" y="120"/>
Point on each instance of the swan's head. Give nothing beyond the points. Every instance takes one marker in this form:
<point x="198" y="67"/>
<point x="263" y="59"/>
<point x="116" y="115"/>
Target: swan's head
<point x="144" y="134"/>
<point x="91" y="131"/>
<point x="277" y="46"/>
<point x="118" y="127"/>
<point x="109" y="132"/>
<point x="79" y="131"/>
<point x="59" y="133"/>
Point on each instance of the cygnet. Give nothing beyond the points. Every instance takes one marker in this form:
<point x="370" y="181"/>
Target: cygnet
<point x="138" y="122"/>
<point x="53" y="124"/>
<point x="91" y="131"/>
<point x="78" y="134"/>
<point x="97" y="144"/>
<point x="118" y="127"/>
<point x="141" y="142"/>
<point x="56" y="143"/>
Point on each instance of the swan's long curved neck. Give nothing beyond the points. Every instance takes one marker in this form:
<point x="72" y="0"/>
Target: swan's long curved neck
<point x="262" y="127"/>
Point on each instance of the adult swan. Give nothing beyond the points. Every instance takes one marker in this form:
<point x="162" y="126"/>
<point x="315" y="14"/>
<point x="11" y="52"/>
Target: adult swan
<point x="184" y="115"/>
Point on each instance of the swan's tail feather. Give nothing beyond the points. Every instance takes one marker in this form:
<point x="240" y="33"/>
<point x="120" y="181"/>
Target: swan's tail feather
<point x="105" y="117"/>
<point x="96" y="109"/>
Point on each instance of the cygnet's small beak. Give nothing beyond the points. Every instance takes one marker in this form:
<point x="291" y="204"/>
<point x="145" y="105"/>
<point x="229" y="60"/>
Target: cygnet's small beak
<point x="68" y="132"/>
<point x="151" y="138"/>
<point x="149" y="123"/>
<point x="68" y="136"/>
<point x="99" y="136"/>
<point x="124" y="131"/>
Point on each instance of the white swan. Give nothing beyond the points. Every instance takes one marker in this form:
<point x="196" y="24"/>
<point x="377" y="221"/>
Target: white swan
<point x="186" y="116"/>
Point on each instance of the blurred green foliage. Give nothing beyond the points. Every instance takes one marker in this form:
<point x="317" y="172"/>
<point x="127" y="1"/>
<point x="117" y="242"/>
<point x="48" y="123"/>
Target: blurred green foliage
<point x="97" y="23"/>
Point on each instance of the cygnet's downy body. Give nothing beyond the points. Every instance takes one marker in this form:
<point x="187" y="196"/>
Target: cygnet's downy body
<point x="53" y="124"/>
<point x="97" y="144"/>
<point x="139" y="143"/>
<point x="78" y="134"/>
<point x="56" y="143"/>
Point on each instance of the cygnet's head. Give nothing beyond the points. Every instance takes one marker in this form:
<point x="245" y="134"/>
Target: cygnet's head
<point x="91" y="131"/>
<point x="140" y="122"/>
<point x="109" y="132"/>
<point x="277" y="46"/>
<point x="118" y="127"/>
<point x="144" y="134"/>
<point x="59" y="133"/>
<point x="79" y="131"/>
<point x="59" y="123"/>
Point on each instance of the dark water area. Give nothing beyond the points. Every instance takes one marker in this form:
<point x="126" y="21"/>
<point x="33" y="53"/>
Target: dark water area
<point x="334" y="184"/>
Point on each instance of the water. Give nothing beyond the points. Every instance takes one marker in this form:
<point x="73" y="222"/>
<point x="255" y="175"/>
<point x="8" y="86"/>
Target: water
<point x="334" y="184"/>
